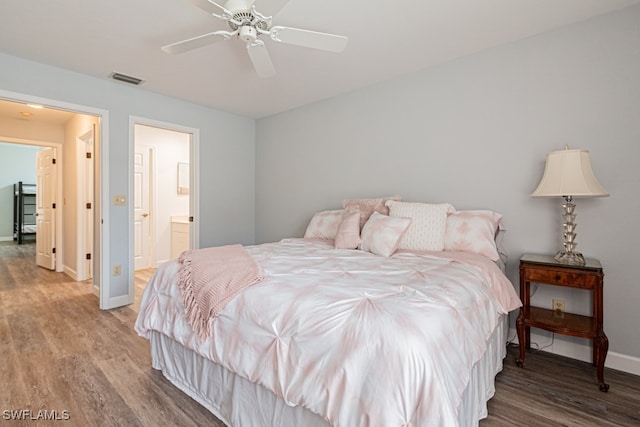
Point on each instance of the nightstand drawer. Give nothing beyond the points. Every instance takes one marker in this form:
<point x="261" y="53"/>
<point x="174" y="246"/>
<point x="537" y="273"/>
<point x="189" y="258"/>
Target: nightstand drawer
<point x="556" y="277"/>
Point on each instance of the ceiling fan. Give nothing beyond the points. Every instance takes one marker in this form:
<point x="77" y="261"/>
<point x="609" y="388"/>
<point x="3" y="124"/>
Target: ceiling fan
<point x="247" y="24"/>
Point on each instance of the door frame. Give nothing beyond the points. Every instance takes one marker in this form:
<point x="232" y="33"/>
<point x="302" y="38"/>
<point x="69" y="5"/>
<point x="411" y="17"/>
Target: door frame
<point x="194" y="180"/>
<point x="101" y="218"/>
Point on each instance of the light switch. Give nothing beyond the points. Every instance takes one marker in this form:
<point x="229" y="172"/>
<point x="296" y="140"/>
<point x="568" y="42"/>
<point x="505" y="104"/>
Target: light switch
<point x="119" y="200"/>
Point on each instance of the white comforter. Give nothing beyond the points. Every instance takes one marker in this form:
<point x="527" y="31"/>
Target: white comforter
<point x="359" y="339"/>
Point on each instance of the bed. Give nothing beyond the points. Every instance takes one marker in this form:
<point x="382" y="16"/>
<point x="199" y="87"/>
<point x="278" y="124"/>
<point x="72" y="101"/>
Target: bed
<point x="344" y="336"/>
<point x="24" y="203"/>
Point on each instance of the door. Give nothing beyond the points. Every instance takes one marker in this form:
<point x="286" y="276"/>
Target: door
<point x="141" y="212"/>
<point x="46" y="208"/>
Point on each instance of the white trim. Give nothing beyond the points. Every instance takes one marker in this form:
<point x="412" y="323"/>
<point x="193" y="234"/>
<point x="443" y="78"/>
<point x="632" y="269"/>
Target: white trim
<point x="622" y="362"/>
<point x="6" y="239"/>
<point x="103" y="116"/>
<point x="71" y="273"/>
<point x="580" y="351"/>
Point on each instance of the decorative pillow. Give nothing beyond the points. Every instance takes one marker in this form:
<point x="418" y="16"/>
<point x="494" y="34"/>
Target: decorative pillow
<point x="348" y="234"/>
<point x="428" y="225"/>
<point x="473" y="231"/>
<point x="369" y="206"/>
<point x="324" y="225"/>
<point x="381" y="234"/>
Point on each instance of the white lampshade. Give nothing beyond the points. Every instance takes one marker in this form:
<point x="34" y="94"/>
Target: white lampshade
<point x="569" y="173"/>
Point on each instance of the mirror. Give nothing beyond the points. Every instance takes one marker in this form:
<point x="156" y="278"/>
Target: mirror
<point x="183" y="178"/>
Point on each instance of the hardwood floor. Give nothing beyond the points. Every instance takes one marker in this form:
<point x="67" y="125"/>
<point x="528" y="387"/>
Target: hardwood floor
<point x="59" y="352"/>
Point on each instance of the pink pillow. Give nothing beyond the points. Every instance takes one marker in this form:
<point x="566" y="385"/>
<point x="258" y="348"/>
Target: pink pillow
<point x="369" y="206"/>
<point x="473" y="231"/>
<point x="324" y="225"/>
<point x="348" y="235"/>
<point x="381" y="234"/>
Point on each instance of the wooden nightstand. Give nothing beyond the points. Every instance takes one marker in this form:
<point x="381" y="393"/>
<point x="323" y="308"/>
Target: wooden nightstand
<point x="544" y="269"/>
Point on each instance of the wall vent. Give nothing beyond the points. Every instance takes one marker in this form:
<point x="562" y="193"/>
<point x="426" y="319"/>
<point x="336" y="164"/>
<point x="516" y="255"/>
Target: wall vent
<point x="127" y="79"/>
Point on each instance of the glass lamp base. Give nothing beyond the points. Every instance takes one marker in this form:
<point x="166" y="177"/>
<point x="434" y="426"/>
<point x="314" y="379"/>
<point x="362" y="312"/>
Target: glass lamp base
<point x="571" y="258"/>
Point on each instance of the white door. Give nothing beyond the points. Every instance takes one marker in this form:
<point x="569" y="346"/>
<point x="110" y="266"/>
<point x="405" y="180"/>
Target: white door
<point x="46" y="208"/>
<point x="141" y="213"/>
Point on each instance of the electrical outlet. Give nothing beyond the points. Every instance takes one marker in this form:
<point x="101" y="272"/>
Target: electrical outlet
<point x="117" y="270"/>
<point x="558" y="305"/>
<point x="119" y="200"/>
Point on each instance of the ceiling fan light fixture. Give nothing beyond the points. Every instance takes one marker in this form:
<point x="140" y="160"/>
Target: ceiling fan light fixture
<point x="247" y="33"/>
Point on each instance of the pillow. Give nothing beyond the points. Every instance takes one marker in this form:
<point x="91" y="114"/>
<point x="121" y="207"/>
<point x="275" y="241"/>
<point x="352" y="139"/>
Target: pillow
<point x="473" y="231"/>
<point x="368" y="206"/>
<point x="381" y="234"/>
<point x="324" y="225"/>
<point x="428" y="225"/>
<point x="348" y="234"/>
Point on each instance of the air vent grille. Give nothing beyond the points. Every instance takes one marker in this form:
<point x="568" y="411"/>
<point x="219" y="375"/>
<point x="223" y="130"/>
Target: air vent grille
<point x="127" y="79"/>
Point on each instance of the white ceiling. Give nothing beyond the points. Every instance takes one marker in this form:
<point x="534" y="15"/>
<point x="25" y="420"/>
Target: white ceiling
<point x="386" y="39"/>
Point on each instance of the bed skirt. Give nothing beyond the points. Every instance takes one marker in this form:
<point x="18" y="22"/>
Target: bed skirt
<point x="239" y="402"/>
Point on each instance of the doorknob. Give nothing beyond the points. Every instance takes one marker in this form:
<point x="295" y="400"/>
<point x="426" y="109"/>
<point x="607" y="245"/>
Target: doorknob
<point x="144" y="215"/>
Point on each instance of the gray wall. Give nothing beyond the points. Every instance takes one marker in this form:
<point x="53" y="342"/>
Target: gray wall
<point x="475" y="132"/>
<point x="227" y="180"/>
<point x="17" y="163"/>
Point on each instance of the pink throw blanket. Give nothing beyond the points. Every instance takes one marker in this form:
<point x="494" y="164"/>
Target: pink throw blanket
<point x="209" y="278"/>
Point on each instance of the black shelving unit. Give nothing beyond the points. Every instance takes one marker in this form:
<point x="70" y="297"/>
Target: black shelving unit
<point x="24" y="211"/>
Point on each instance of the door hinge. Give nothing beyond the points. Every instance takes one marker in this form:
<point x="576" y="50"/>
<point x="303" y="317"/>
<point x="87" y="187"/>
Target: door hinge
<point x="88" y="205"/>
<point x="88" y="155"/>
<point x="53" y="206"/>
<point x="53" y="251"/>
<point x="190" y="219"/>
<point x="88" y="256"/>
<point x="53" y="161"/>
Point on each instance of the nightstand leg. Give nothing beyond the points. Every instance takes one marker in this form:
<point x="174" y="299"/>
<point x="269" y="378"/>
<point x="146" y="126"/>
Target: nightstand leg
<point x="522" y="339"/>
<point x="602" y="344"/>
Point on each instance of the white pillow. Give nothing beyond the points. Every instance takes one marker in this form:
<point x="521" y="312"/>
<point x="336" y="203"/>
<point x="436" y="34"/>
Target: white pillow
<point x="324" y="225"/>
<point x="381" y="234"/>
<point x="428" y="225"/>
<point x="473" y="231"/>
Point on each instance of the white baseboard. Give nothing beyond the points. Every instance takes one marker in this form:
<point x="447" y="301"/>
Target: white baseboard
<point x="565" y="346"/>
<point x="6" y="239"/>
<point x="70" y="272"/>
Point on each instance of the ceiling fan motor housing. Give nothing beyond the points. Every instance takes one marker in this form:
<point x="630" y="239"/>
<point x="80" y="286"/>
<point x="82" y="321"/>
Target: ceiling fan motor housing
<point x="247" y="33"/>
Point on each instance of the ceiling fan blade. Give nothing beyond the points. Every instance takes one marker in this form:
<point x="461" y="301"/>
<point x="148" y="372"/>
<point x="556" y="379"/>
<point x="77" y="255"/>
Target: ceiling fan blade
<point x="260" y="59"/>
<point x="208" y="6"/>
<point x="196" y="42"/>
<point x="306" y="38"/>
<point x="271" y="7"/>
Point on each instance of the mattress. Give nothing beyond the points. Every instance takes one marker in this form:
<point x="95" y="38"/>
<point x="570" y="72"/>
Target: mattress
<point x="28" y="228"/>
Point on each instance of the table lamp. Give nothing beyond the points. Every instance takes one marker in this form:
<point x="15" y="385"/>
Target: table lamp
<point x="568" y="174"/>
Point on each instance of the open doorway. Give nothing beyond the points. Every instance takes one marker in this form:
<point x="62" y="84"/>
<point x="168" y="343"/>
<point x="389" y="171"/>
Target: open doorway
<point x="60" y="173"/>
<point x="162" y="194"/>
<point x="99" y="251"/>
